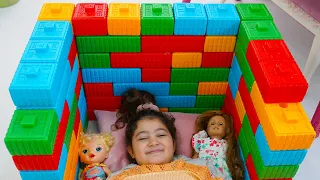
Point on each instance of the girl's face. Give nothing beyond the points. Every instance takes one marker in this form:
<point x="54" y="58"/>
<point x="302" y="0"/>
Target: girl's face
<point x="94" y="152"/>
<point x="152" y="143"/>
<point x="217" y="127"/>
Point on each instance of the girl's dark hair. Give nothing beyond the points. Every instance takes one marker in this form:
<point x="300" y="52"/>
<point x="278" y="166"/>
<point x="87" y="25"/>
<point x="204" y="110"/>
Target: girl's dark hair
<point x="130" y="100"/>
<point x="168" y="121"/>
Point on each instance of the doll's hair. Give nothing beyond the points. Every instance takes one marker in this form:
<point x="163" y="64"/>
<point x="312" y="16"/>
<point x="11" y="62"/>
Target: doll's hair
<point x="130" y="100"/>
<point x="107" y="138"/>
<point x="234" y="161"/>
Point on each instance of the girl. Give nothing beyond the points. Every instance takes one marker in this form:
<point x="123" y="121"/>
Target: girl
<point x="151" y="144"/>
<point x="216" y="143"/>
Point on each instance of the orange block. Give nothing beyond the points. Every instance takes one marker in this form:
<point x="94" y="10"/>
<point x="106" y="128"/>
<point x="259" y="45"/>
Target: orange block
<point x="72" y="152"/>
<point x="163" y="109"/>
<point x="240" y="107"/>
<point x="124" y="19"/>
<point x="212" y="88"/>
<point x="56" y="11"/>
<point x="186" y="60"/>
<point x="219" y="43"/>
<point x="285" y="125"/>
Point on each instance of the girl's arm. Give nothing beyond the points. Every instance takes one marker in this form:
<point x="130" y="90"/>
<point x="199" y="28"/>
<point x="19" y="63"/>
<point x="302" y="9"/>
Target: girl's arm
<point x="198" y="139"/>
<point x="107" y="170"/>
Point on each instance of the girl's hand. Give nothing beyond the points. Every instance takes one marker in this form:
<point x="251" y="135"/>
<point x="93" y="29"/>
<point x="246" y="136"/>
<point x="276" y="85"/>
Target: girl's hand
<point x="107" y="170"/>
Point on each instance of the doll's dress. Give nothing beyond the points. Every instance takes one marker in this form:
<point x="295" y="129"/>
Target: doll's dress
<point x="87" y="175"/>
<point x="214" y="152"/>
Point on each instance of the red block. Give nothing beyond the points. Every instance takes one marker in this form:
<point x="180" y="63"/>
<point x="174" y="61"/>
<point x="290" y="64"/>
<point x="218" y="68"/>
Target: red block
<point x="278" y="76"/>
<point x="72" y="53"/>
<point x="154" y="44"/>
<point x="76" y="123"/>
<point x="217" y="59"/>
<point x="78" y="85"/>
<point x="248" y="105"/>
<point x="141" y="60"/>
<point x="156" y="75"/>
<point x="98" y="89"/>
<point x="90" y="19"/>
<point x="103" y="103"/>
<point x="46" y="162"/>
<point x="251" y="170"/>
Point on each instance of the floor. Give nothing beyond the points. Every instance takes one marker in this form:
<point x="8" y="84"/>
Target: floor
<point x="16" y="24"/>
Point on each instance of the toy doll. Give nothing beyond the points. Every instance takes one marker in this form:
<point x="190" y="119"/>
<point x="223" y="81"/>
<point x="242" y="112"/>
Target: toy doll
<point x="216" y="143"/>
<point x="93" y="150"/>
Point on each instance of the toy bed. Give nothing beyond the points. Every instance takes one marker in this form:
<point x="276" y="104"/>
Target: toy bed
<point x="192" y="57"/>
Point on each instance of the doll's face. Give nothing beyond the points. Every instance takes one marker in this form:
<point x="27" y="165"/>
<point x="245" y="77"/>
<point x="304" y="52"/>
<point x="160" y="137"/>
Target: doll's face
<point x="216" y="127"/>
<point x="94" y="152"/>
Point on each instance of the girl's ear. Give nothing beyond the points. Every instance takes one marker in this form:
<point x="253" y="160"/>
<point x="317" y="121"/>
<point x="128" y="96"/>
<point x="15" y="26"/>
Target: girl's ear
<point x="130" y="151"/>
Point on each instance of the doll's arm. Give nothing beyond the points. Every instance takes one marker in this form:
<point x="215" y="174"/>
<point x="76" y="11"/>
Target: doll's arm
<point x="197" y="140"/>
<point x="107" y="170"/>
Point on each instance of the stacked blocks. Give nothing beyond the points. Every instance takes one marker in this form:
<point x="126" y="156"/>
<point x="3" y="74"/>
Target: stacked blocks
<point x="192" y="57"/>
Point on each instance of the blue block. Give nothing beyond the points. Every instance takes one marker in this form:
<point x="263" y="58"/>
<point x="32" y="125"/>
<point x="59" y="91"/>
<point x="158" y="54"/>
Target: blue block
<point x="176" y="101"/>
<point x="189" y="19"/>
<point x="82" y="104"/>
<point x="223" y="20"/>
<point x="236" y="71"/>
<point x="111" y="75"/>
<point x="49" y="174"/>
<point x="157" y="89"/>
<point x="73" y="82"/>
<point x="277" y="158"/>
<point x="233" y="86"/>
<point x="246" y="174"/>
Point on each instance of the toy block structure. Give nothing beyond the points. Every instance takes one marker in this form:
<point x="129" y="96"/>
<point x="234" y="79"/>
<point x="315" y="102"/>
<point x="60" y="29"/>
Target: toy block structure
<point x="193" y="57"/>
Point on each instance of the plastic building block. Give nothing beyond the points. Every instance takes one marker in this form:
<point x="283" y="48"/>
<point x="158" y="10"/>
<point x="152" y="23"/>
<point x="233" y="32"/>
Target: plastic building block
<point x="104" y="44"/>
<point x="175" y="101"/>
<point x="286" y="125"/>
<point x="157" y="19"/>
<point x="189" y="19"/>
<point x="246" y="174"/>
<point x="141" y="60"/>
<point x="223" y="20"/>
<point x="120" y="75"/>
<point x="183" y="88"/>
<point x="276" y="158"/>
<point x="82" y="105"/>
<point x="94" y="60"/>
<point x="73" y="82"/>
<point x="316" y="120"/>
<point x="163" y="109"/>
<point x="190" y="75"/>
<point x="102" y="103"/>
<point x="71" y="152"/>
<point x="71" y="120"/>
<point x="56" y="11"/>
<point x="229" y="106"/>
<point x="216" y="59"/>
<point x="248" y="105"/>
<point x="212" y="88"/>
<point x="257" y="11"/>
<point x="77" y="123"/>
<point x="156" y="75"/>
<point x="191" y="110"/>
<point x="32" y="132"/>
<point x="257" y="30"/>
<point x="98" y="89"/>
<point x="124" y="19"/>
<point x="165" y="44"/>
<point x="278" y="77"/>
<point x="186" y="60"/>
<point x="219" y="43"/>
<point x="251" y="169"/>
<point x="243" y="144"/>
<point x="236" y="71"/>
<point x="78" y="85"/>
<point x="73" y="52"/>
<point x="157" y="89"/>
<point x="240" y="107"/>
<point x="90" y="19"/>
<point x="233" y="86"/>
<point x="214" y="101"/>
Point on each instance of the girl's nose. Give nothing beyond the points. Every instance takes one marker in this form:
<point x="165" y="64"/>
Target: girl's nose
<point x="153" y="142"/>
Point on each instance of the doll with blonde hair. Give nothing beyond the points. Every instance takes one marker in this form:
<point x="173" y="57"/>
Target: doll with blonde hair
<point x="216" y="143"/>
<point x="93" y="150"/>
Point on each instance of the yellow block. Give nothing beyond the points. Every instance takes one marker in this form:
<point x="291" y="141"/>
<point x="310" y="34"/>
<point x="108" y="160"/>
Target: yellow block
<point x="212" y="88"/>
<point x="219" y="43"/>
<point x="186" y="60"/>
<point x="56" y="11"/>
<point x="240" y="107"/>
<point x="124" y="19"/>
<point x="285" y="125"/>
<point x="163" y="109"/>
<point x="71" y="154"/>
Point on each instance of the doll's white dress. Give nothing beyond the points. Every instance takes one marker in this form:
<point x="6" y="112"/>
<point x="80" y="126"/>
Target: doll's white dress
<point x="214" y="152"/>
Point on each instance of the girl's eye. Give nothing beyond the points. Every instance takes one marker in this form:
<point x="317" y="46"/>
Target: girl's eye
<point x="141" y="139"/>
<point x="98" y="149"/>
<point x="162" y="135"/>
<point x="84" y="151"/>
<point x="221" y="123"/>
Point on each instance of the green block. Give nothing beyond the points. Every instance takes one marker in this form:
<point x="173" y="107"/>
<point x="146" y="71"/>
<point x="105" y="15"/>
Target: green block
<point x="71" y="120"/>
<point x="258" y="11"/>
<point x="157" y="19"/>
<point x="265" y="172"/>
<point x="192" y="75"/>
<point x="257" y="30"/>
<point x="215" y="101"/>
<point x="243" y="144"/>
<point x="192" y="110"/>
<point x="244" y="66"/>
<point x="32" y="132"/>
<point x="97" y="60"/>
<point x="104" y="44"/>
<point x="183" y="88"/>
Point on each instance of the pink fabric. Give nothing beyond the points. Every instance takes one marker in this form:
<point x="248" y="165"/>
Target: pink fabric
<point x="185" y="124"/>
<point x="312" y="7"/>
